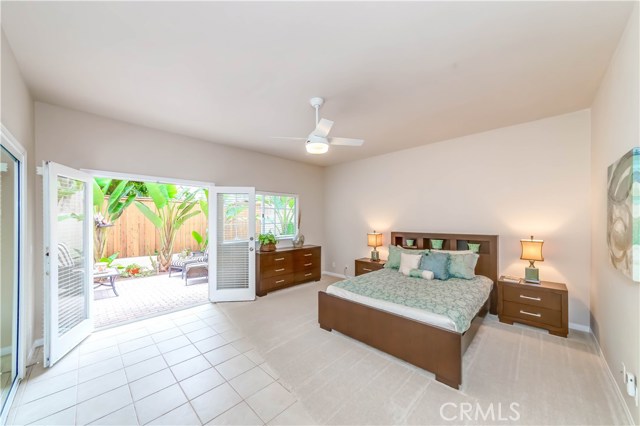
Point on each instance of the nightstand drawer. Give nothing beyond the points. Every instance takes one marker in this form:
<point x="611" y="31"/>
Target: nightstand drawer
<point x="366" y="267"/>
<point x="533" y="297"/>
<point x="532" y="314"/>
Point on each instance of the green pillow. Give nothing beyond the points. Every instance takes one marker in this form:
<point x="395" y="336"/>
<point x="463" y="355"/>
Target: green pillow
<point x="393" y="261"/>
<point x="463" y="265"/>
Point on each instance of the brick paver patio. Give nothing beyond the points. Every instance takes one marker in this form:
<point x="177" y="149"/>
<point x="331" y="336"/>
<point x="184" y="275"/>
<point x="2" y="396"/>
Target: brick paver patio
<point x="143" y="297"/>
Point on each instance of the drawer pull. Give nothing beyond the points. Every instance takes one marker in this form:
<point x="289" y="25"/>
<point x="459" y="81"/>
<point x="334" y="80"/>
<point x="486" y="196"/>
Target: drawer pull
<point x="307" y="275"/>
<point x="279" y="281"/>
<point x="367" y="269"/>
<point x="280" y="270"/>
<point x="529" y="313"/>
<point x="308" y="254"/>
<point x="537" y="299"/>
<point x="279" y="259"/>
<point x="308" y="264"/>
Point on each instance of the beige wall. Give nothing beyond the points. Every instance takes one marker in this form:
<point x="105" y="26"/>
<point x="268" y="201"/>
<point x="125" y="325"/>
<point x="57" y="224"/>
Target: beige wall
<point x="88" y="141"/>
<point x="17" y="115"/>
<point x="615" y="299"/>
<point x="516" y="181"/>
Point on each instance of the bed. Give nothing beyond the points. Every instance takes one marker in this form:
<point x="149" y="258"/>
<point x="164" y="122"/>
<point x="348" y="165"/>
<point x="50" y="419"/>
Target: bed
<point x="423" y="335"/>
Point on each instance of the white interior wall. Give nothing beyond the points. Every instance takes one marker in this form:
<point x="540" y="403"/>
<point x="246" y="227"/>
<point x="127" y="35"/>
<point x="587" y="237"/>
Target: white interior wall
<point x="528" y="179"/>
<point x="87" y="141"/>
<point x="17" y="115"/>
<point x="615" y="298"/>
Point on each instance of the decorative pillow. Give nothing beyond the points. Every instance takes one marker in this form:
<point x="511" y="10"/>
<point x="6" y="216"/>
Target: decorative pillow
<point x="419" y="273"/>
<point x="474" y="247"/>
<point x="436" y="244"/>
<point x="463" y="266"/>
<point x="436" y="262"/>
<point x="393" y="260"/>
<point x="409" y="262"/>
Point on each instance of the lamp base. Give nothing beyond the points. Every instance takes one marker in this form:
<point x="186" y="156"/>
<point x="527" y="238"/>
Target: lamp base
<point x="375" y="255"/>
<point x="532" y="275"/>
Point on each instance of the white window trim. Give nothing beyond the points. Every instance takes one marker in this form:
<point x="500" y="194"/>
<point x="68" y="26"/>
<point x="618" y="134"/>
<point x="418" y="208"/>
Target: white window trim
<point x="285" y="194"/>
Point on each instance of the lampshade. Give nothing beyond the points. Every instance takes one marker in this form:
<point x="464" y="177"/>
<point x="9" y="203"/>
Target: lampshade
<point x="374" y="239"/>
<point x="531" y="249"/>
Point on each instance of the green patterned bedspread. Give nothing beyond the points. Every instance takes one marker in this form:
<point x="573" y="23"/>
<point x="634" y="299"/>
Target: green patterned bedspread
<point x="457" y="299"/>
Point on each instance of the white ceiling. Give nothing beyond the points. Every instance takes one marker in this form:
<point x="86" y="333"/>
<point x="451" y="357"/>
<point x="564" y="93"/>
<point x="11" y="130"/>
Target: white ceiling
<point x="396" y="74"/>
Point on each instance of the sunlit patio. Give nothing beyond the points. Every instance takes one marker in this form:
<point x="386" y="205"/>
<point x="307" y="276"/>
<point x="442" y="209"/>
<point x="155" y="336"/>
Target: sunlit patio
<point x="145" y="297"/>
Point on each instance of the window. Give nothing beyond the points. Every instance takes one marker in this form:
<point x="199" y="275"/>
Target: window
<point x="277" y="213"/>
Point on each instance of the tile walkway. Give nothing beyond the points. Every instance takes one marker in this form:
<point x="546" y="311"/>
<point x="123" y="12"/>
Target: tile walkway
<point x="190" y="368"/>
<point x="146" y="297"/>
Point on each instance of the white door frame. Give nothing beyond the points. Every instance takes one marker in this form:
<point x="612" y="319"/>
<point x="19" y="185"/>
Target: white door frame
<point x="16" y="149"/>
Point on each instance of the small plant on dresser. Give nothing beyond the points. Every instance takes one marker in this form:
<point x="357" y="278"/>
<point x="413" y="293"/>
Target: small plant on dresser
<point x="267" y="242"/>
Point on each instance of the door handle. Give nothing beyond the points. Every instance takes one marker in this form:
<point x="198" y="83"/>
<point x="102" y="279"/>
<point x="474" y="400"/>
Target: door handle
<point x="250" y="248"/>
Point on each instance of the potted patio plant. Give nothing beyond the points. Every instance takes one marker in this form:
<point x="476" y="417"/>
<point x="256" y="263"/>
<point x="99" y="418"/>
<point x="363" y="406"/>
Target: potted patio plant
<point x="267" y="242"/>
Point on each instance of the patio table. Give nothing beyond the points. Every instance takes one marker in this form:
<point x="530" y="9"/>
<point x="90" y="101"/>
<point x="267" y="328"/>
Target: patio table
<point x="112" y="274"/>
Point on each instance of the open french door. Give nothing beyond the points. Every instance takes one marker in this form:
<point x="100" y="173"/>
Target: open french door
<point x="232" y="261"/>
<point x="68" y="239"/>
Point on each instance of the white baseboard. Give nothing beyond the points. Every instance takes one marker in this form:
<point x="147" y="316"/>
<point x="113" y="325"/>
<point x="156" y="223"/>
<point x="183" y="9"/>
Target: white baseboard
<point x="580" y="327"/>
<point x="613" y="380"/>
<point x="334" y="274"/>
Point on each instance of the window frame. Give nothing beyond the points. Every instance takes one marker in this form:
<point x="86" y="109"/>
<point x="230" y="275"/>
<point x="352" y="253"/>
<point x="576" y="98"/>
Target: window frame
<point x="297" y="212"/>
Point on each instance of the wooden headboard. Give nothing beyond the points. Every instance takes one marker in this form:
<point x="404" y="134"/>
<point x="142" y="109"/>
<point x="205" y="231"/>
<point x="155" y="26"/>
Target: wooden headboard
<point x="487" y="262"/>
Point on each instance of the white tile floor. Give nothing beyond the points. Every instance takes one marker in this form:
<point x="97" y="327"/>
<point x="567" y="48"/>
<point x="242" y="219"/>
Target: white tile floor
<point x="189" y="368"/>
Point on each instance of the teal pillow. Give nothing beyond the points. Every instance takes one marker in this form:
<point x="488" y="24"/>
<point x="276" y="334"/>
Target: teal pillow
<point x="438" y="263"/>
<point x="474" y="247"/>
<point x="463" y="265"/>
<point x="393" y="260"/>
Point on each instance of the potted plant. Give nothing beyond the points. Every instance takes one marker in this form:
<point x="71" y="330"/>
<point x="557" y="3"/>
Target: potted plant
<point x="267" y="242"/>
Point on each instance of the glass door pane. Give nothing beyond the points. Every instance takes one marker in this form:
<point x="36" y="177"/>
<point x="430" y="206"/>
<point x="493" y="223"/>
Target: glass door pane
<point x="9" y="267"/>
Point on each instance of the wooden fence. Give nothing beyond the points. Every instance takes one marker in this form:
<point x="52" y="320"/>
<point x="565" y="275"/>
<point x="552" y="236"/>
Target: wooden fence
<point x="134" y="235"/>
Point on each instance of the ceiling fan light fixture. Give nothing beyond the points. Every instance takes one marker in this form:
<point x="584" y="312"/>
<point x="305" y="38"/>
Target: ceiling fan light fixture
<point x="317" y="147"/>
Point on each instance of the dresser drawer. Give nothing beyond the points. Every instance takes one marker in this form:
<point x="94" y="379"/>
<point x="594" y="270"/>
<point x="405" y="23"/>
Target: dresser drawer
<point x="306" y="263"/>
<point x="532" y="314"/>
<point x="277" y="260"/>
<point x="308" y="275"/>
<point x="542" y="299"/>
<point x="271" y="283"/>
<point x="276" y="270"/>
<point x="305" y="254"/>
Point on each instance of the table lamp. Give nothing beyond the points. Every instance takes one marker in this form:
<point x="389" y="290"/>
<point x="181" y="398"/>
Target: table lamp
<point x="532" y="251"/>
<point x="374" y="239"/>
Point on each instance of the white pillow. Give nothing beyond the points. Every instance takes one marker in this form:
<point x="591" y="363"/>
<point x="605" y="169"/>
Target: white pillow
<point x="420" y="273"/>
<point x="409" y="262"/>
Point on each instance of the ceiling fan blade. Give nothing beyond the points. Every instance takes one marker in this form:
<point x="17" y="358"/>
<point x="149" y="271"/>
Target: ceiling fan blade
<point x="323" y="128"/>
<point x="288" y="137"/>
<point x="346" y="141"/>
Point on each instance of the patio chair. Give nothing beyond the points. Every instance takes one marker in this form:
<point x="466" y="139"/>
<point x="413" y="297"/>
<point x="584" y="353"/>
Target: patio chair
<point x="67" y="267"/>
<point x="195" y="270"/>
<point x="178" y="264"/>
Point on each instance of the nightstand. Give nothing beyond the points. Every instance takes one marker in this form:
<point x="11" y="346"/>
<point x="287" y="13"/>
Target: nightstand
<point x="543" y="305"/>
<point x="366" y="265"/>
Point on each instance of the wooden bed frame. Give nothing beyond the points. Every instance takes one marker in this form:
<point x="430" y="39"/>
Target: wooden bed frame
<point x="432" y="348"/>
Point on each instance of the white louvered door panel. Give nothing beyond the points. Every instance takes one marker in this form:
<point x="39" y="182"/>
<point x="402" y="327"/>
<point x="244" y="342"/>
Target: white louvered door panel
<point x="232" y="264"/>
<point x="68" y="225"/>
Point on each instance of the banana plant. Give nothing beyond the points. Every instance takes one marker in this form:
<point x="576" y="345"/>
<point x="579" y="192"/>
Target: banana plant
<point x="110" y="200"/>
<point x="173" y="209"/>
<point x="203" y="241"/>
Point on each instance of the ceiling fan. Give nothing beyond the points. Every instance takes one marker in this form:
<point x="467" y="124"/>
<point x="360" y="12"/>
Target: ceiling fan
<point x="318" y="141"/>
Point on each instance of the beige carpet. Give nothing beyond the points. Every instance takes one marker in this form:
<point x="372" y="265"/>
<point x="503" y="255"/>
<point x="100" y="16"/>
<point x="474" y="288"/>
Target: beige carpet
<point x="512" y="374"/>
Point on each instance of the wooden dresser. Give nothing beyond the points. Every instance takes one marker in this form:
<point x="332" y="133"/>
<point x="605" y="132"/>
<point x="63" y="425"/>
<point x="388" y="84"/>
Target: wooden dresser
<point x="543" y="305"/>
<point x="286" y="267"/>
